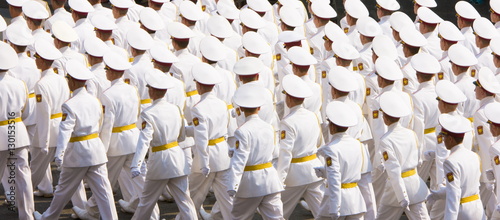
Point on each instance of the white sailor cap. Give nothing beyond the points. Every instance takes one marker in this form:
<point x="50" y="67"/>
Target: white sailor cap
<point x="139" y="39"/>
<point x="491" y="111"/>
<point x="293" y="3"/>
<point x="16" y="3"/>
<point x="212" y="49"/>
<point x="206" y="74"/>
<point x="393" y="104"/>
<point x="455" y="124"/>
<point x="159" y="80"/>
<point x="249" y="96"/>
<point x="228" y="11"/>
<point x="78" y="70"/>
<point x="450" y="32"/>
<point x="487" y="80"/>
<point x="179" y="31"/>
<point x="219" y="27"/>
<point x="495" y="6"/>
<point x="341" y="114"/>
<point x="46" y="49"/>
<point x="259" y="5"/>
<point x="8" y="57"/>
<point x="449" y="92"/>
<point x="426" y="3"/>
<point x="323" y="10"/>
<point x="160" y="53"/>
<point x="3" y="25"/>
<point x="382" y="45"/>
<point x="95" y="47"/>
<point x="495" y="45"/>
<point x="342" y="79"/>
<point x="461" y="56"/>
<point x="291" y="16"/>
<point x="344" y="50"/>
<point x="290" y="36"/>
<point x="425" y="63"/>
<point x="399" y="20"/>
<point x="103" y="23"/>
<point x="251" y="19"/>
<point x="356" y="8"/>
<point x="63" y="32"/>
<point x="484" y="28"/>
<point x="190" y="11"/>
<point x="19" y="35"/>
<point x="296" y="87"/>
<point x="117" y="59"/>
<point x="388" y="69"/>
<point x="389" y="5"/>
<point x="412" y="37"/>
<point x="300" y="56"/>
<point x="160" y="1"/>
<point x="151" y="19"/>
<point x="255" y="43"/>
<point x="368" y="27"/>
<point x="466" y="10"/>
<point x="334" y="33"/>
<point x="81" y="6"/>
<point x="428" y="16"/>
<point x="248" y="66"/>
<point x="124" y="4"/>
<point x="35" y="10"/>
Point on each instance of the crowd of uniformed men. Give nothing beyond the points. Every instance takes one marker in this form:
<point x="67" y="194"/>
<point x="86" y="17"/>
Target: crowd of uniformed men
<point x="265" y="105"/>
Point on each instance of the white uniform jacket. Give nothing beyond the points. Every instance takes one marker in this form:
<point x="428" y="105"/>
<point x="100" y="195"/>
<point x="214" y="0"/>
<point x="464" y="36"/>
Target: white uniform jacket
<point x="120" y="34"/>
<point x="465" y="84"/>
<point x="426" y="114"/>
<point x="27" y="71"/>
<point x="483" y="139"/>
<point x="99" y="83"/>
<point x="136" y="76"/>
<point x="121" y="108"/>
<point x="254" y="146"/>
<point x="60" y="14"/>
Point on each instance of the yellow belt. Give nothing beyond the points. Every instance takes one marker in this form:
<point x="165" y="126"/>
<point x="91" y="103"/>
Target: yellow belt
<point x="84" y="138"/>
<point x="191" y="93"/>
<point x="304" y="159"/>
<point x="469" y="199"/>
<point x="123" y="128"/>
<point x="408" y="173"/>
<point x="229" y="106"/>
<point x="429" y="130"/>
<point x="6" y="122"/>
<point x="471" y="119"/>
<point x="348" y="185"/>
<point x="165" y="146"/>
<point x="258" y="166"/>
<point x="56" y="115"/>
<point x="145" y="101"/>
<point x="216" y="141"/>
<point x="31" y="95"/>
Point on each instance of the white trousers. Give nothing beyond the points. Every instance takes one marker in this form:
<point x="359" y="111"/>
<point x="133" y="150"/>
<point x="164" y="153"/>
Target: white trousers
<point x="417" y="211"/>
<point x="270" y="207"/>
<point x="18" y="172"/>
<point x="179" y="189"/>
<point x="199" y="186"/>
<point x="379" y="180"/>
<point x="40" y="164"/>
<point x="312" y="193"/>
<point x="71" y="178"/>
<point x="437" y="209"/>
<point x="366" y="188"/>
<point x="359" y="216"/>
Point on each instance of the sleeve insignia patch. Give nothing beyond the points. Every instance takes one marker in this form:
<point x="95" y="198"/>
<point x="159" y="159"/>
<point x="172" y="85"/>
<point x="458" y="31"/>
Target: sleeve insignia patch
<point x="311" y="50"/>
<point x="440" y="76"/>
<point x="38" y="97"/>
<point x="480" y="130"/>
<point x="385" y="155"/>
<point x="203" y="7"/>
<point x="355" y="68"/>
<point x="28" y="53"/>
<point x="375" y="113"/>
<point x="368" y="91"/>
<point x="103" y="109"/>
<point x="278" y="57"/>
<point x="144" y="124"/>
<point x="196" y="122"/>
<point x="328" y="161"/>
<point x="440" y="139"/>
<point x="64" y="116"/>
<point x="449" y="176"/>
<point x="238" y="111"/>
<point x="56" y="70"/>
<point x="497" y="160"/>
<point x="405" y="81"/>
<point x="346" y="30"/>
<point x="360" y="66"/>
<point x="127" y="81"/>
<point x="323" y="74"/>
<point x="283" y="135"/>
<point x="237" y="145"/>
<point x="473" y="73"/>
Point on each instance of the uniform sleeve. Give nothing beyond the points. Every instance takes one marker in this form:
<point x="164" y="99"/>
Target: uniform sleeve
<point x="332" y="167"/>
<point x="145" y="138"/>
<point x="495" y="163"/>
<point x="393" y="169"/>
<point x="287" y="140"/>
<point x="65" y="130"/>
<point x="418" y="122"/>
<point x="108" y="121"/>
<point x="453" y="191"/>
<point x="182" y="132"/>
<point x="201" y="138"/>
<point x="92" y="87"/>
<point x="43" y="111"/>
<point x="238" y="161"/>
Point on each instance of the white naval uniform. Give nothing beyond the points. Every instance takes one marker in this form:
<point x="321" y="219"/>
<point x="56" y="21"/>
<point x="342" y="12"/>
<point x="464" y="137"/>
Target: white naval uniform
<point x="400" y="154"/>
<point x="100" y="10"/>
<point x="14" y="99"/>
<point x="433" y="46"/>
<point x="484" y="59"/>
<point x="446" y="71"/>
<point x="20" y="21"/>
<point x="343" y="172"/>
<point x="99" y="83"/>
<point x="364" y="64"/>
<point x="410" y="82"/>
<point x="38" y="34"/>
<point x="136" y="76"/>
<point x="210" y="120"/>
<point x="84" y="29"/>
<point x="465" y="84"/>
<point x="470" y="40"/>
<point x="300" y="136"/>
<point x="162" y="129"/>
<point x="83" y="154"/>
<point x="120" y="34"/>
<point x="68" y="53"/>
<point x="252" y="175"/>
<point x="462" y="172"/>
<point x="495" y="163"/>
<point x="60" y="14"/>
